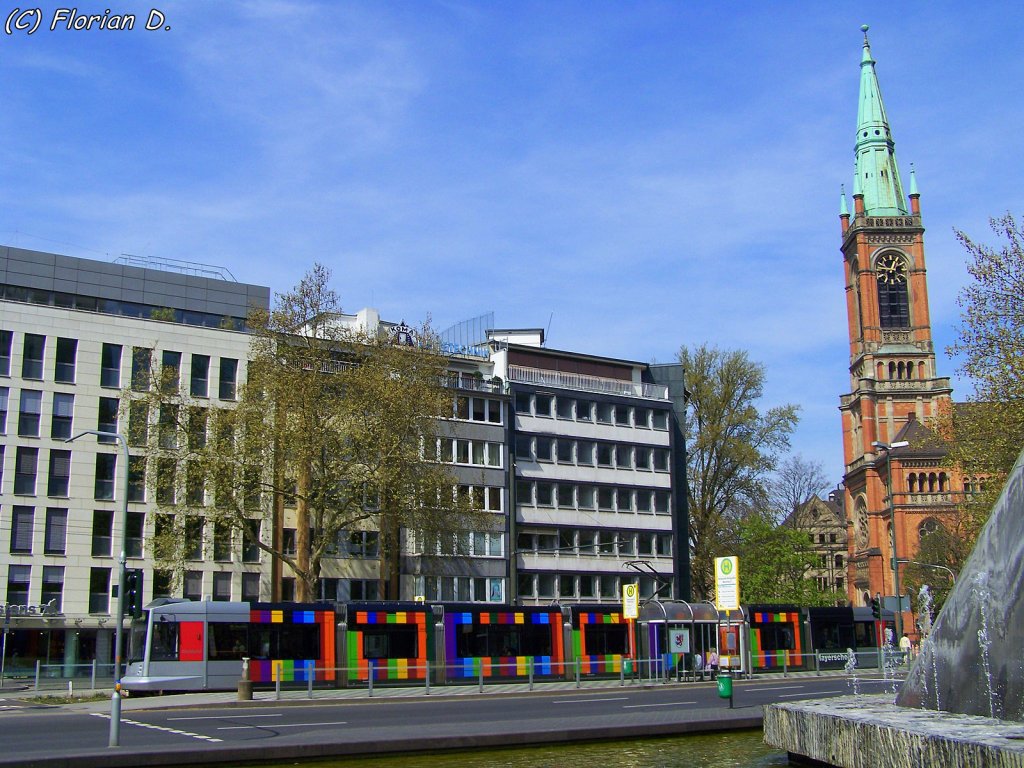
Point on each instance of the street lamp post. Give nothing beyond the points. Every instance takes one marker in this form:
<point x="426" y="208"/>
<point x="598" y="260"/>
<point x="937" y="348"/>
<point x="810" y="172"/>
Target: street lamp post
<point x="888" y="448"/>
<point x="115" y="698"/>
<point x="952" y="574"/>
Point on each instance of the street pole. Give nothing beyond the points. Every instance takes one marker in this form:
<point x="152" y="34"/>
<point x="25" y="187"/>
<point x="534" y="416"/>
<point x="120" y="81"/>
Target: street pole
<point x="888" y="448"/>
<point x="114" y="739"/>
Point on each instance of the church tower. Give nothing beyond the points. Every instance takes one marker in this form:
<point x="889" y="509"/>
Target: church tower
<point x="894" y="386"/>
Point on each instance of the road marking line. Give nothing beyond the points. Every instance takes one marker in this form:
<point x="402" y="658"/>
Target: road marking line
<point x="585" y="699"/>
<point x="222" y="717"/>
<point x="792" y="695"/>
<point x="152" y="727"/>
<point x="282" y="725"/>
<point x="781" y="688"/>
<point x="667" y="704"/>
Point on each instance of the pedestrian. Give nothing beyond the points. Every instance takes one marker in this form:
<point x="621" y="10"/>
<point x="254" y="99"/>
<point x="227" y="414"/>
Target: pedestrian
<point x="713" y="663"/>
<point x="905" y="646"/>
<point x="698" y="666"/>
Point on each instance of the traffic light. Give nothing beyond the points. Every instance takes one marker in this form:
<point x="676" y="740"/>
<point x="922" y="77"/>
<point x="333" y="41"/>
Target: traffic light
<point x="876" y="607"/>
<point x="133" y="592"/>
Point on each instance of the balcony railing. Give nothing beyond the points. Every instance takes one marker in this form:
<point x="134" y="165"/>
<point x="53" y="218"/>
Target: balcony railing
<point x="563" y="380"/>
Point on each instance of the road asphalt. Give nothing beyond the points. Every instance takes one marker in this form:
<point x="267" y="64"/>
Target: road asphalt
<point x="373" y="741"/>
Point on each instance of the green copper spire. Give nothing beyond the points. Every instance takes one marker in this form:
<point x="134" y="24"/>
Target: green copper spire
<point x="878" y="177"/>
<point x="843" y="210"/>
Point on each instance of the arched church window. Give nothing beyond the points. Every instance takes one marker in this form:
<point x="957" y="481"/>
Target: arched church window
<point x="912" y="482"/>
<point x="910" y="370"/>
<point x="931" y="482"/>
<point x="893" y="300"/>
<point x="942" y="482"/>
<point x="929" y="526"/>
<point x="892" y="370"/>
<point x="861" y="524"/>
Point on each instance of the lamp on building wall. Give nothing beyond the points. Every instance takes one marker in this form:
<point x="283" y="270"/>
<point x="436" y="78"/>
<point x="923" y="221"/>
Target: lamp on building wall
<point x="888" y="448"/>
<point x="115" y="698"/>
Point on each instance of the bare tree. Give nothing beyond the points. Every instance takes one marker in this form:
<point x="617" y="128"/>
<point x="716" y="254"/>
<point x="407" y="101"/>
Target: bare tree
<point x="795" y="483"/>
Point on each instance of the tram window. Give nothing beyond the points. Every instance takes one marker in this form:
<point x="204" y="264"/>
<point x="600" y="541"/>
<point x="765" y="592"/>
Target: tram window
<point x="285" y="641"/>
<point x="165" y="641"/>
<point x="396" y="643"/>
<point x="137" y="645"/>
<point x="865" y="634"/>
<point x="228" y="642"/>
<point x="603" y="639"/>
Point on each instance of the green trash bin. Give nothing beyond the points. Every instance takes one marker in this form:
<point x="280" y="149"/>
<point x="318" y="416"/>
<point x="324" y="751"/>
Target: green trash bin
<point x="627" y="666"/>
<point x="724" y="685"/>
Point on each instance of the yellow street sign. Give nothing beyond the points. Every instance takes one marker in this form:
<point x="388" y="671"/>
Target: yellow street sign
<point x="630" y="601"/>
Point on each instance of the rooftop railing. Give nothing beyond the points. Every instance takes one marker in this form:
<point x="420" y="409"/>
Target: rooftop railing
<point x="563" y="380"/>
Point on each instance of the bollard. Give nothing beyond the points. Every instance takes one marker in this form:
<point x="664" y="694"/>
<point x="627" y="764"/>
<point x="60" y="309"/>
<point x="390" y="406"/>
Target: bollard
<point x="369" y="678"/>
<point x="94" y="674"/>
<point x="481" y="676"/>
<point x="244" y="683"/>
<point x="817" y="663"/>
<point x="530" y="665"/>
<point x="427" y="677"/>
<point x="310" y="674"/>
<point x="277" y="682"/>
<point x="785" y="664"/>
<point x="37" y="675"/>
<point x="71" y="689"/>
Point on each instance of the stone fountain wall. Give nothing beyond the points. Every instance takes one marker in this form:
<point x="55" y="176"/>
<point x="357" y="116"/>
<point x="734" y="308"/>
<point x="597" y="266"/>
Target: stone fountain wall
<point x="956" y="671"/>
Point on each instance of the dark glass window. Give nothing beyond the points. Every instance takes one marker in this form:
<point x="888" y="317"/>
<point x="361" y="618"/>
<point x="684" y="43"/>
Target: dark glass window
<point x="110" y="366"/>
<point x="53" y="586"/>
<point x="106" y="420"/>
<point x="137" y="478"/>
<point x="64" y="370"/>
<point x="63" y="411"/>
<point x="170" y="371"/>
<point x="199" y="385"/>
<point x="106" y="464"/>
<point x="21" y="530"/>
<point x="6" y="339"/>
<point x="32" y="356"/>
<point x="56" y="533"/>
<point x="141" y="363"/>
<point x="102" y="532"/>
<point x="28" y="414"/>
<point x="4" y="393"/>
<point x="18" y="577"/>
<point x="228" y="375"/>
<point x="134" y="534"/>
<point x="59" y="476"/>
<point x="25" y="463"/>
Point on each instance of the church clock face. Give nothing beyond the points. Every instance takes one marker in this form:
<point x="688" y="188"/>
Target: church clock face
<point x="890" y="269"/>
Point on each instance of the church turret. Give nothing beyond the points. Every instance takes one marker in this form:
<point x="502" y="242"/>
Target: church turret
<point x="878" y="177"/>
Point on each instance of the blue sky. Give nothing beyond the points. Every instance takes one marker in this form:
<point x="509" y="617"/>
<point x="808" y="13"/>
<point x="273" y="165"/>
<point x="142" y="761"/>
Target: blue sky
<point x="634" y="176"/>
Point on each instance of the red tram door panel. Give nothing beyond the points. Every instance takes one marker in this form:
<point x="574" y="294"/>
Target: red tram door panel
<point x="190" y="646"/>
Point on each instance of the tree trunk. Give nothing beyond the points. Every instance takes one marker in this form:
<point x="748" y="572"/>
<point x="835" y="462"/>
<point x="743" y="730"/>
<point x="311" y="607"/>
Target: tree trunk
<point x="305" y="586"/>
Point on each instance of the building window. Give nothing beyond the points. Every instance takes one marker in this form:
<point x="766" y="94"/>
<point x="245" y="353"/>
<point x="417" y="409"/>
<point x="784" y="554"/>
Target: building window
<point x="222" y="587"/>
<point x="622" y="416"/>
<point x="21" y="530"/>
<point x="564" y="407"/>
<point x="605" y="413"/>
<point x="194" y="538"/>
<point x="137" y="478"/>
<point x="660" y="460"/>
<point x="522" y="403"/>
<point x="63" y="412"/>
<point x="106" y="421"/>
<point x="623" y="456"/>
<point x="28" y="414"/>
<point x="228" y="376"/>
<point x="893" y="304"/>
<point x="604" y="455"/>
<point x="102" y="532"/>
<point x="138" y="423"/>
<point x="166" y="471"/>
<point x="542" y="405"/>
<point x="4" y="393"/>
<point x="53" y="586"/>
<point x="162" y="581"/>
<point x="64" y="369"/>
<point x="134" y="532"/>
<point x="660" y="419"/>
<point x="199" y="384"/>
<point x="142" y="361"/>
<point x="170" y="372"/>
<point x="192" y="589"/>
<point x="288" y="589"/>
<point x="642" y="417"/>
<point x="545" y="449"/>
<point x="222" y="542"/>
<point x="18" y="578"/>
<point x="99" y="590"/>
<point x="32" y="356"/>
<point x="6" y="339"/>
<point x="250" y="549"/>
<point x="25" y="471"/>
<point x="110" y="366"/>
<point x="59" y="477"/>
<point x="251" y="587"/>
<point x="106" y="466"/>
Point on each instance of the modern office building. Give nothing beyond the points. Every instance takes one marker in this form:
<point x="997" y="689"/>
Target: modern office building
<point x="75" y="334"/>
<point x="581" y="476"/>
<point x="595" y="486"/>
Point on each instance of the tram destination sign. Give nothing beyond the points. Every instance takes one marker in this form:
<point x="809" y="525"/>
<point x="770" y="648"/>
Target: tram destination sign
<point x="727" y="583"/>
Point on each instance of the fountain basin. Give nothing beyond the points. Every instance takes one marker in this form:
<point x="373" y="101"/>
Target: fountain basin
<point x="869" y="731"/>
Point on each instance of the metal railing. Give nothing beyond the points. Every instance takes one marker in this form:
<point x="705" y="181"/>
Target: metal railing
<point x="563" y="380"/>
